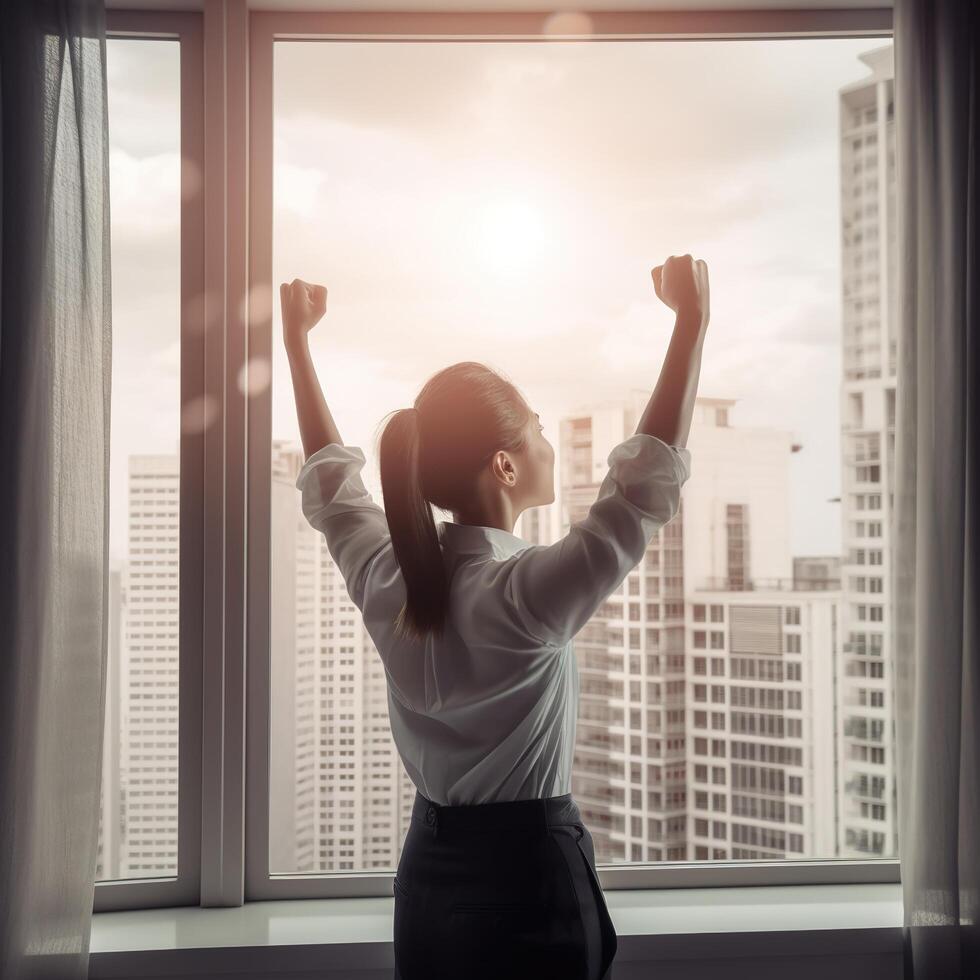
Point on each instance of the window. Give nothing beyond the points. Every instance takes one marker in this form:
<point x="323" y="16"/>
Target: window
<point x="467" y="161"/>
<point x="148" y="847"/>
<point x="483" y="130"/>
<point x="138" y="826"/>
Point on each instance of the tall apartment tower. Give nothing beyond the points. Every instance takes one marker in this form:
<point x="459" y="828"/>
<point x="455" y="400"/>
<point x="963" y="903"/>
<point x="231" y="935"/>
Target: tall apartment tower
<point x="763" y="653"/>
<point x="628" y="774"/>
<point x="107" y="862"/>
<point x="867" y="137"/>
<point x="148" y="671"/>
<point x="340" y="796"/>
<point x="707" y="725"/>
<point x="364" y="794"/>
<point x="294" y="644"/>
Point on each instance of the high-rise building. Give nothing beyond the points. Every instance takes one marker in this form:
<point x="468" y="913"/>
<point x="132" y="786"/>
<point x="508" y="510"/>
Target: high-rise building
<point x="148" y="671"/>
<point x="107" y="862"/>
<point x="628" y="774"/>
<point x="340" y="797"/>
<point x="867" y="139"/>
<point x="293" y="675"/>
<point x="707" y="725"/>
<point x="762" y="654"/>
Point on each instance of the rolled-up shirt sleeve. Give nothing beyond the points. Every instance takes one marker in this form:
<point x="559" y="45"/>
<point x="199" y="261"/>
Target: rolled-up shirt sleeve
<point x="336" y="502"/>
<point x="554" y="590"/>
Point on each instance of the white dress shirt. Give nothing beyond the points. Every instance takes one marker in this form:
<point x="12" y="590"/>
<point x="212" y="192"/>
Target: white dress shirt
<point x="487" y="712"/>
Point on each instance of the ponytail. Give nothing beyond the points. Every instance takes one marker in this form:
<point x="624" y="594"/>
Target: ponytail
<point x="413" y="529"/>
<point x="431" y="454"/>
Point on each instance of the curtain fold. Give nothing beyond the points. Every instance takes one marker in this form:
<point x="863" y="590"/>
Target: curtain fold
<point x="935" y="560"/>
<point x="55" y="374"/>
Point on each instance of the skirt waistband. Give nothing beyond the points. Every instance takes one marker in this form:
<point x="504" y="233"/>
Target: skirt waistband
<point x="542" y="813"/>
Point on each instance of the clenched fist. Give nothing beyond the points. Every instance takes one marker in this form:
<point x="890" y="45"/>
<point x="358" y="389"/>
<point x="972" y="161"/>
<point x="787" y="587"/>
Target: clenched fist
<point x="682" y="283"/>
<point x="303" y="304"/>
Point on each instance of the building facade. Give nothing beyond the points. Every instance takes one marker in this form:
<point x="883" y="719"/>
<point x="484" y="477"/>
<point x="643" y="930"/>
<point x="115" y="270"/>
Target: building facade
<point x="868" y="805"/>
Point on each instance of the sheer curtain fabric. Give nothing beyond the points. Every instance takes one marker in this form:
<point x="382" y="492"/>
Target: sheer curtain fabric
<point x="937" y="485"/>
<point x="54" y="452"/>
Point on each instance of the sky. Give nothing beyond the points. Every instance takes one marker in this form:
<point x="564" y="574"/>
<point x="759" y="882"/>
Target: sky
<point x="506" y="203"/>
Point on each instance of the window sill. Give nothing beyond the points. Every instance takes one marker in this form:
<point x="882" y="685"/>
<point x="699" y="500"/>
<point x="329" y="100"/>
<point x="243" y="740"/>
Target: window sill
<point x="859" y="921"/>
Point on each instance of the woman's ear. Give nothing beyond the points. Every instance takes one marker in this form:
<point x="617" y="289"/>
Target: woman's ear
<point x="503" y="468"/>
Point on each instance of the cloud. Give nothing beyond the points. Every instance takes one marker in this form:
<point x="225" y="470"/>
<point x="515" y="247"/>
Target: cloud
<point x="144" y="95"/>
<point x="144" y="195"/>
<point x="295" y="187"/>
<point x="412" y="87"/>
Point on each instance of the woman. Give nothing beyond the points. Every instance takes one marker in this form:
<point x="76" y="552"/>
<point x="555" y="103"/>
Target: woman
<point x="474" y="626"/>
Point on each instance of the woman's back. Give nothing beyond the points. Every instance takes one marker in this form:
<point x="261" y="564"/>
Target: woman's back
<point x="486" y="711"/>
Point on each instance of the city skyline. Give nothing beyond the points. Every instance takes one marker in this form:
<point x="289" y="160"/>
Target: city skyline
<point x="324" y="663"/>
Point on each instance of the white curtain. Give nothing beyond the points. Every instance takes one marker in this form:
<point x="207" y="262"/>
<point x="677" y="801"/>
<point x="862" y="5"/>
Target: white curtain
<point x="55" y="347"/>
<point x="936" y="559"/>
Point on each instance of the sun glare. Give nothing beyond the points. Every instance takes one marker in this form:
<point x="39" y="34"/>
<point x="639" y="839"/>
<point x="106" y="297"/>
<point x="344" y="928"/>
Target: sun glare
<point x="509" y="236"/>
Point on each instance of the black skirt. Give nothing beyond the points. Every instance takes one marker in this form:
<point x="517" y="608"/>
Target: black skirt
<point x="500" y="890"/>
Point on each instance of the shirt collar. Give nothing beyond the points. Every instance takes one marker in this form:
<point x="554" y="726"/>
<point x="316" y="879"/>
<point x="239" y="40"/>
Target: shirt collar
<point x="476" y="539"/>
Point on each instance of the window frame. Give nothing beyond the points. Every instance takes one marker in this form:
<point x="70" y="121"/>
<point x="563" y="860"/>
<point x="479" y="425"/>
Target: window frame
<point x="226" y="262"/>
<point x="265" y="29"/>
<point x="184" y="28"/>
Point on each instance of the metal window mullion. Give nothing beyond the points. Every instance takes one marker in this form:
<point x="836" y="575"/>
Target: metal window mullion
<point x="260" y="462"/>
<point x="226" y="348"/>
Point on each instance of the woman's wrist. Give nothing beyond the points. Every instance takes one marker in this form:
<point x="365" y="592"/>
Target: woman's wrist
<point x="692" y="323"/>
<point x="298" y="346"/>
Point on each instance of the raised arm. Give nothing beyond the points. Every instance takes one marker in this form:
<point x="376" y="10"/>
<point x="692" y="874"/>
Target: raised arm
<point x="303" y="305"/>
<point x="682" y="284"/>
<point x="555" y="590"/>
<point x="334" y="498"/>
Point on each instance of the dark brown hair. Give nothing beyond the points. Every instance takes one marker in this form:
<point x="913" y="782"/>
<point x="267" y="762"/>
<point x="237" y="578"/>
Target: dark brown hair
<point x="430" y="454"/>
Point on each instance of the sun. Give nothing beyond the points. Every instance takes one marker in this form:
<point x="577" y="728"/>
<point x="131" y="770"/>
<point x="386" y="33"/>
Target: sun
<point x="510" y="236"/>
